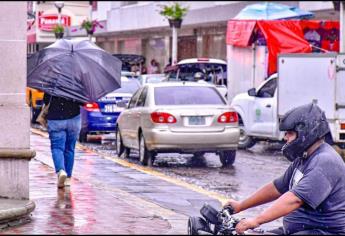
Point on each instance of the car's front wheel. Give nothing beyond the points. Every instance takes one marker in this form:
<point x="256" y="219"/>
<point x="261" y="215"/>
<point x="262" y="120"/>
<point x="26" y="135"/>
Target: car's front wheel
<point x="245" y="141"/>
<point x="198" y="159"/>
<point x="83" y="136"/>
<point x="227" y="158"/>
<point x="146" y="157"/>
<point x="120" y="148"/>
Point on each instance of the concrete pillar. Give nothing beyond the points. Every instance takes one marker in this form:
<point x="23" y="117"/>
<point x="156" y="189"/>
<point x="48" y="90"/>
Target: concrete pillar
<point x="15" y="152"/>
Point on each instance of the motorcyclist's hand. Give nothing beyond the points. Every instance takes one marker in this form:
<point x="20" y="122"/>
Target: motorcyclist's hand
<point x="246" y="224"/>
<point x="234" y="204"/>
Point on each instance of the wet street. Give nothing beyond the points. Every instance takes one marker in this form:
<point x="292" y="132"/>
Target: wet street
<point x="108" y="191"/>
<point x="253" y="168"/>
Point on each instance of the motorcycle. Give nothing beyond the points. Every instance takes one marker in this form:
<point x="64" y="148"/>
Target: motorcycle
<point x="215" y="222"/>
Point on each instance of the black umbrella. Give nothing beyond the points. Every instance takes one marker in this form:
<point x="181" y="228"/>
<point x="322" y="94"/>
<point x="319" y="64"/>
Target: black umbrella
<point x="77" y="70"/>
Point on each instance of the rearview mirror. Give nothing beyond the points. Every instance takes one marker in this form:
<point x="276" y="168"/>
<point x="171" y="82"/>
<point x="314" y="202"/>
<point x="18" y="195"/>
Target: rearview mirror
<point x="121" y="104"/>
<point x="252" y="92"/>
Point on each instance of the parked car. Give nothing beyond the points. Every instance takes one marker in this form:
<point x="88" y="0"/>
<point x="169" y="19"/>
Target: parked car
<point x="101" y="116"/>
<point x="128" y="60"/>
<point x="34" y="99"/>
<point x="151" y="78"/>
<point x="183" y="117"/>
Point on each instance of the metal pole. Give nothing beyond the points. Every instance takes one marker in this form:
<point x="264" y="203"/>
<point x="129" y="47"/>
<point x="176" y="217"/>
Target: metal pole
<point x="59" y="16"/>
<point x="174" y="46"/>
<point x="90" y="16"/>
<point x="342" y="27"/>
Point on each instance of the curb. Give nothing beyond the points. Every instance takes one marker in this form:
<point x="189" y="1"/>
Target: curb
<point x="14" y="212"/>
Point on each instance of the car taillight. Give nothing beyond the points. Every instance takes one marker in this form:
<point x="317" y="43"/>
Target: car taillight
<point x="228" y="117"/>
<point x="342" y="126"/>
<point x="163" y="118"/>
<point x="91" y="106"/>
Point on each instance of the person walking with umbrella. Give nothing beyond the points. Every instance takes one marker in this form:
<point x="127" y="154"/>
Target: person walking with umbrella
<point x="64" y="125"/>
<point x="70" y="73"/>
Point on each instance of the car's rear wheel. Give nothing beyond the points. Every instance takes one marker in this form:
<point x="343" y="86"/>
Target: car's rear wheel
<point x="227" y="158"/>
<point x="33" y="112"/>
<point x="146" y="157"/>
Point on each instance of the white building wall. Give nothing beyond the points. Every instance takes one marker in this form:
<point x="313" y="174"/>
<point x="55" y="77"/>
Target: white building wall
<point x="102" y="9"/>
<point x="145" y="15"/>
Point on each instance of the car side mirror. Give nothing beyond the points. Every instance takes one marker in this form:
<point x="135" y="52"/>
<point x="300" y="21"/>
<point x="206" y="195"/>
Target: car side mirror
<point x="121" y="104"/>
<point x="252" y="92"/>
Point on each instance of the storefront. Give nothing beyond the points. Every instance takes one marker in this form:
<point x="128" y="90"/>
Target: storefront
<point x="40" y="30"/>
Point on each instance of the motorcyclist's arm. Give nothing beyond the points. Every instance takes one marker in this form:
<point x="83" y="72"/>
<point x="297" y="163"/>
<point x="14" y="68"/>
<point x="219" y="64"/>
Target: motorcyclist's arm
<point x="287" y="203"/>
<point x="267" y="193"/>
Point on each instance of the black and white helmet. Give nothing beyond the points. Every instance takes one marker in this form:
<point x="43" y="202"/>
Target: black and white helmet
<point x="310" y="124"/>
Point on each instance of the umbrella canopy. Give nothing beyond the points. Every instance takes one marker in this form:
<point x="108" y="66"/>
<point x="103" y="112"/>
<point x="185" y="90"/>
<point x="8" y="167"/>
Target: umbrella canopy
<point x="77" y="70"/>
<point x="271" y="11"/>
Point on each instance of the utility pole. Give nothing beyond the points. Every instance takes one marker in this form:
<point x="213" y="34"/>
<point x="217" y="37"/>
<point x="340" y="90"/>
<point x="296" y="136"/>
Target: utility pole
<point x="174" y="46"/>
<point x="342" y="27"/>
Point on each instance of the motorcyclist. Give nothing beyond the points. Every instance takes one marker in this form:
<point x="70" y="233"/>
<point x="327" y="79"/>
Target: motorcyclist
<point x="310" y="194"/>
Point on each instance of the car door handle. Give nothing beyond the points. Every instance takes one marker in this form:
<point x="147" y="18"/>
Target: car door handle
<point x="268" y="105"/>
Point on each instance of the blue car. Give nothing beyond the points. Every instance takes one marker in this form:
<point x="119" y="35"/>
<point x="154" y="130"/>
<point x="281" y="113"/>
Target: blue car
<point x="100" y="117"/>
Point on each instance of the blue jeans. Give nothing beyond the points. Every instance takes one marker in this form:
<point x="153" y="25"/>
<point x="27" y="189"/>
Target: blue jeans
<point x="63" y="135"/>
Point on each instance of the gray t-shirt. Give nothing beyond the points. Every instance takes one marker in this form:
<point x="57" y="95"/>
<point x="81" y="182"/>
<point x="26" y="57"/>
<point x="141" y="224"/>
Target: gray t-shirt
<point x="319" y="181"/>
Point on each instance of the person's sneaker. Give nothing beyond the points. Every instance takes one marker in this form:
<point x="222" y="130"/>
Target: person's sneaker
<point x="68" y="182"/>
<point x="61" y="178"/>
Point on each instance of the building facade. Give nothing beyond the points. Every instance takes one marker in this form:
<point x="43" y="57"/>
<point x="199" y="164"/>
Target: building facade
<point x="43" y="16"/>
<point x="138" y="28"/>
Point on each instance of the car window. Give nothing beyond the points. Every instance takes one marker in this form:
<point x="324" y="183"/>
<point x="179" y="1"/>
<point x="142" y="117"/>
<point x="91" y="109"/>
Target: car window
<point x="128" y="86"/>
<point x="267" y="91"/>
<point x="134" y="98"/>
<point x="187" y="95"/>
<point x="142" y="98"/>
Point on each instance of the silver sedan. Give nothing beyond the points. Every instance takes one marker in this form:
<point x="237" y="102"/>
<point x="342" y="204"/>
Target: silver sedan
<point x="182" y="117"/>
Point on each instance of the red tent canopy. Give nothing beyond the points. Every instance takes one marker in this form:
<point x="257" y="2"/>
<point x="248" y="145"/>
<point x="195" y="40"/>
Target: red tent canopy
<point x="285" y="36"/>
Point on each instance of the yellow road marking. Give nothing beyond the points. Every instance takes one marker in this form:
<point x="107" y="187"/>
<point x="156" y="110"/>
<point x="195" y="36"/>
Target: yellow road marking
<point x="223" y="199"/>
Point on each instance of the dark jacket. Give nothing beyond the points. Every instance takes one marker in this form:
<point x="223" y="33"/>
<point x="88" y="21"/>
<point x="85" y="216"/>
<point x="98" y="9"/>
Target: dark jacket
<point x="61" y="108"/>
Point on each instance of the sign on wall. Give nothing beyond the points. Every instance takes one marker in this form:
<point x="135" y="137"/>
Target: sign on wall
<point x="46" y="22"/>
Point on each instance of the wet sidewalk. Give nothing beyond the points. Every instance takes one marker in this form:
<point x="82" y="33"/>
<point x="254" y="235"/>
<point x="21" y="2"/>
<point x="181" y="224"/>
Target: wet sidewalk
<point x="105" y="198"/>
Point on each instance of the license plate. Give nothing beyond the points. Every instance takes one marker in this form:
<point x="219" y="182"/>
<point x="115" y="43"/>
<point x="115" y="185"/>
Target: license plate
<point x="196" y="120"/>
<point x="112" y="108"/>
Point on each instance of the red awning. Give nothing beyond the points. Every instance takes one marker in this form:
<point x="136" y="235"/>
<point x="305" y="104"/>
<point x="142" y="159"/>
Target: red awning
<point x="283" y="37"/>
<point x="239" y="32"/>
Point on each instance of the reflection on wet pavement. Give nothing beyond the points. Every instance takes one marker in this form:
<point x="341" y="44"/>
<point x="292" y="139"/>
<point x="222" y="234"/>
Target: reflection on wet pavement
<point x="252" y="169"/>
<point x="81" y="209"/>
